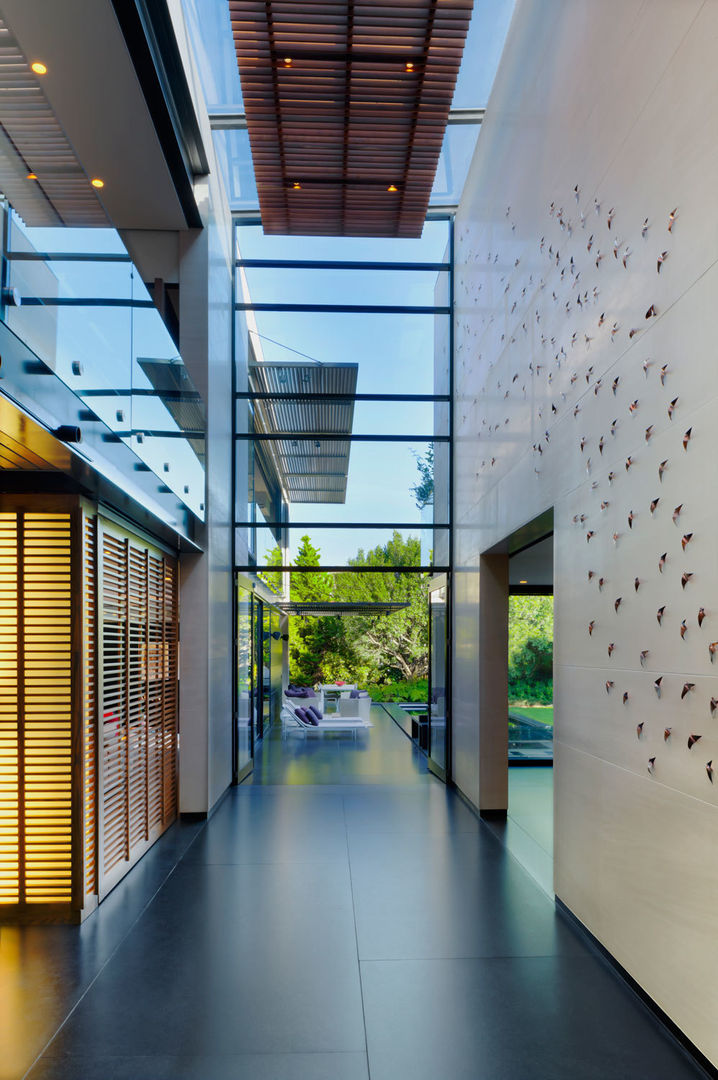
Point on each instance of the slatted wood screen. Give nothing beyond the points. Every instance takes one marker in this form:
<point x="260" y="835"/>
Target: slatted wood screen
<point x="88" y="706"/>
<point x="138" y="643"/>
<point x="36" y="709"/>
<point x="346" y="106"/>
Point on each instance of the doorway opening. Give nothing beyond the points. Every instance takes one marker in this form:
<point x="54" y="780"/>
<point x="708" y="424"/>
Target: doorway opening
<point x="528" y="828"/>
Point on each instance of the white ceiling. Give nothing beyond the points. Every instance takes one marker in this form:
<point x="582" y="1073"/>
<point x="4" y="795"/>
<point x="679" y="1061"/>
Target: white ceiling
<point x="94" y="92"/>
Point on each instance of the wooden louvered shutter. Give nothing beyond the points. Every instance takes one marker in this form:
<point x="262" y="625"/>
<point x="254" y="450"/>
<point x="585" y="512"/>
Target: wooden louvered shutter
<point x="38" y="640"/>
<point x="89" y="706"/>
<point x="9" y="735"/>
<point x="137" y="683"/>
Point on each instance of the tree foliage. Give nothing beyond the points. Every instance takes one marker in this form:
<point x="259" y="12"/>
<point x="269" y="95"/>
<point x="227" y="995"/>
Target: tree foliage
<point x="376" y="649"/>
<point x="531" y="648"/>
<point x="423" y="489"/>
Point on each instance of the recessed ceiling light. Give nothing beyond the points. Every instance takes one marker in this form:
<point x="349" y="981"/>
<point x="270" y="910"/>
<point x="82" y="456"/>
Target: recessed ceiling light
<point x="297" y="186"/>
<point x="409" y="65"/>
<point x="523" y="582"/>
<point x="96" y="182"/>
<point x="392" y="187"/>
<point x="32" y="176"/>
<point x="38" y="67"/>
<point x="287" y="61"/>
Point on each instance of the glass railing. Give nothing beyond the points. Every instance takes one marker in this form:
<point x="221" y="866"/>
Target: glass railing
<point x="86" y="313"/>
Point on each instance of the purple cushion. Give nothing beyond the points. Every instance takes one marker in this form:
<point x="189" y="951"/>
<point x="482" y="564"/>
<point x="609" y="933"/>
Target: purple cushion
<point x="301" y="714"/>
<point x="299" y="692"/>
<point x="359" y="693"/>
<point x="354" y="694"/>
<point x="314" y="711"/>
<point x="308" y="692"/>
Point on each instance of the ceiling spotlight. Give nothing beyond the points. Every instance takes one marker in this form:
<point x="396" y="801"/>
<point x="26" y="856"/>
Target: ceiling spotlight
<point x="296" y="186"/>
<point x="32" y="176"/>
<point x="409" y="65"/>
<point x="523" y="582"/>
<point x="392" y="187"/>
<point x="39" y="68"/>
<point x="97" y="183"/>
<point x="287" y="61"/>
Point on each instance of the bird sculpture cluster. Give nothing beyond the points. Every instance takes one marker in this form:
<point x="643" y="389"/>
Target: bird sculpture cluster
<point x="559" y="345"/>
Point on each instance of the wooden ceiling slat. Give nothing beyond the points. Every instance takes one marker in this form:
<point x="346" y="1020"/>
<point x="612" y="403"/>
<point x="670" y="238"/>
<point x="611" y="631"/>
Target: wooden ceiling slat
<point x="345" y="119"/>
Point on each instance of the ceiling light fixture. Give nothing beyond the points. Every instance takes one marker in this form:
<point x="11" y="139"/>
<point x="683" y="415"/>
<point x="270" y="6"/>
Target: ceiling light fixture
<point x="287" y="61"/>
<point x="296" y="186"/>
<point x="97" y="183"/>
<point x="523" y="582"/>
<point x="38" y="67"/>
<point x="392" y="187"/>
<point x="409" y="65"/>
<point x="32" y="176"/>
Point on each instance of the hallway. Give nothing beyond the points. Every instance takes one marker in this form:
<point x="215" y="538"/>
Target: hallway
<point x="341" y="916"/>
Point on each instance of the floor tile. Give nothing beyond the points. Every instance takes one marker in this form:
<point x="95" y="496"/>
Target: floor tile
<point x="458" y="899"/>
<point x="231" y="959"/>
<point x="211" y="1067"/>
<point x="549" y="1018"/>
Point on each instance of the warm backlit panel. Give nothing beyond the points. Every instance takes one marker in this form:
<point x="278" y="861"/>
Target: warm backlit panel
<point x="35" y="709"/>
<point x="9" y="824"/>
<point x="119" y="614"/>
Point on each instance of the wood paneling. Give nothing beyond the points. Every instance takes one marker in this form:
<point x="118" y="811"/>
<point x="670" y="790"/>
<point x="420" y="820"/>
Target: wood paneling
<point x="138" y="698"/>
<point x="346" y="108"/>
<point x="36" y="714"/>
<point x="88" y="706"/>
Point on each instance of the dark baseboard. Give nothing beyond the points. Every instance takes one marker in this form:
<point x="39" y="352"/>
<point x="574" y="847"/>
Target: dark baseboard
<point x="522" y="763"/>
<point x="192" y="816"/>
<point x="661" y="1017"/>
<point x="493" y="815"/>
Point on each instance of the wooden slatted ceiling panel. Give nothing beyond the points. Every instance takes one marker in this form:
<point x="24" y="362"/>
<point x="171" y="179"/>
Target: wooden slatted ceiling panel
<point x="47" y="751"/>
<point x="36" y="143"/>
<point x="90" y="704"/>
<point x="9" y="770"/>
<point x="345" y="119"/>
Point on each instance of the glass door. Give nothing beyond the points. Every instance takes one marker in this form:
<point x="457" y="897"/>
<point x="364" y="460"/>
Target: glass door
<point x="245" y="684"/>
<point x="438" y="749"/>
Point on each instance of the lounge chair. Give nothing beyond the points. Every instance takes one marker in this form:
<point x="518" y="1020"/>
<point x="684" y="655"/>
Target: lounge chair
<point x="292" y="722"/>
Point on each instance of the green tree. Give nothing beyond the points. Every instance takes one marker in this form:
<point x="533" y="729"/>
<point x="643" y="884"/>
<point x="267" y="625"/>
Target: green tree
<point x="423" y="490"/>
<point x="390" y="647"/>
<point x="317" y="646"/>
<point x="531" y="648"/>
<point x="272" y="578"/>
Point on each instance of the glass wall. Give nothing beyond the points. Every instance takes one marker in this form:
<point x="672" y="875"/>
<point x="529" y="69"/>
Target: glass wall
<point x="343" y="435"/>
<point x="89" y="318"/>
<point x="245" y="685"/>
<point x="342" y="417"/>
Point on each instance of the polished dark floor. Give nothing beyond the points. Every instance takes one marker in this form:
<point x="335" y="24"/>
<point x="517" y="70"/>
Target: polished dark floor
<point x="342" y="916"/>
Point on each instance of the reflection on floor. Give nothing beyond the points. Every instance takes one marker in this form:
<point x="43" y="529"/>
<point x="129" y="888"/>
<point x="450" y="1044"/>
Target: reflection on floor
<point x="528" y="830"/>
<point x="343" y="915"/>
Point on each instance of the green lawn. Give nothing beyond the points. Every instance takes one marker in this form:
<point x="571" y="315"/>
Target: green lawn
<point x="544" y="713"/>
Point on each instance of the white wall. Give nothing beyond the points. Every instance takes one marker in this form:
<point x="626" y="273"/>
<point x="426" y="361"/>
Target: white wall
<point x="617" y="97"/>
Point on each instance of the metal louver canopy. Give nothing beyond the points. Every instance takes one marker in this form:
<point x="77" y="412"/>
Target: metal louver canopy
<point x="346" y="106"/>
<point x="343" y="607"/>
<point x="312" y="460"/>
